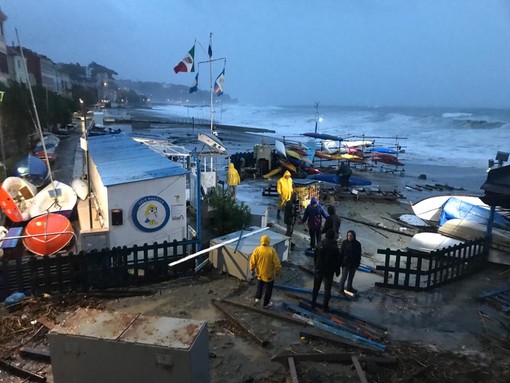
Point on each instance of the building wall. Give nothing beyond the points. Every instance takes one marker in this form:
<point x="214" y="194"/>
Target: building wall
<point x="4" y="68"/>
<point x="48" y="74"/>
<point x="126" y="197"/>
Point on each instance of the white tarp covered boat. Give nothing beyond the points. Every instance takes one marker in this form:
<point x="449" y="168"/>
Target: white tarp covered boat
<point x="430" y="209"/>
<point x="428" y="242"/>
<point x="469" y="230"/>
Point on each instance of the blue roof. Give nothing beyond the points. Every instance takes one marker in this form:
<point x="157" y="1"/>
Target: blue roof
<point x="120" y="159"/>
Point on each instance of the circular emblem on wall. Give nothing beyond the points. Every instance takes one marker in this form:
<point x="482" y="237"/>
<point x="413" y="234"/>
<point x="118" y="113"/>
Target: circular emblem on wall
<point x="150" y="213"/>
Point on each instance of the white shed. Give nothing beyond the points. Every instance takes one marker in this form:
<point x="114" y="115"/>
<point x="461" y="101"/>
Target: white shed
<point x="139" y="196"/>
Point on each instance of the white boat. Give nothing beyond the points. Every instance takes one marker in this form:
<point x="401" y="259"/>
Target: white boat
<point x="429" y="209"/>
<point x="357" y="144"/>
<point x="428" y="242"/>
<point x="469" y="230"/>
<point x="57" y="197"/>
<point x="80" y="187"/>
<point x="22" y="194"/>
<point x="213" y="142"/>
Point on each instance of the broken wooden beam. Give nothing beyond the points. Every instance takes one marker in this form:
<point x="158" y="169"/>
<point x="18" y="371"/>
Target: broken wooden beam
<point x="292" y="369"/>
<point x="20" y="372"/>
<point x="359" y="370"/>
<point x="307" y="291"/>
<point x="265" y="312"/>
<point x="32" y="353"/>
<point x="324" y="336"/>
<point x="341" y="357"/>
<point x="249" y="332"/>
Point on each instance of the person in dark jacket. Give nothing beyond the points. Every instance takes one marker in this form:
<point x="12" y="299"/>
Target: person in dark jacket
<point x="350" y="254"/>
<point x="290" y="213"/>
<point x="344" y="172"/>
<point x="313" y="214"/>
<point x="333" y="222"/>
<point x="327" y="262"/>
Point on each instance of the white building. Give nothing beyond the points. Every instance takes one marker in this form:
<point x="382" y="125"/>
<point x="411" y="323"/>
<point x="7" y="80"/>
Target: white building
<point x="139" y="195"/>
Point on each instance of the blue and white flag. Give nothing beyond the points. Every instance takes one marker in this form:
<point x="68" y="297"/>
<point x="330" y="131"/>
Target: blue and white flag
<point x="194" y="87"/>
<point x="218" y="84"/>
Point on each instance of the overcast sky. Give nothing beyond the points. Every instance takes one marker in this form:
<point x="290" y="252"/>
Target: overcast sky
<point x="280" y="52"/>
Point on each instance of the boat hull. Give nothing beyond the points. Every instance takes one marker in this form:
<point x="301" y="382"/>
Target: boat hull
<point x="47" y="234"/>
<point x="334" y="179"/>
<point x="45" y="201"/>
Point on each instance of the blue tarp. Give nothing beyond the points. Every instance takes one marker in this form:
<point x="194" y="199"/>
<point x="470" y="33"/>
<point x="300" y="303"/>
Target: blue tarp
<point x="456" y="208"/>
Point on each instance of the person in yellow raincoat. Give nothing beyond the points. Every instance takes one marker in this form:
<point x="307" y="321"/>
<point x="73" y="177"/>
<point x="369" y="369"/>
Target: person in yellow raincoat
<point x="284" y="189"/>
<point x="233" y="179"/>
<point x="265" y="261"/>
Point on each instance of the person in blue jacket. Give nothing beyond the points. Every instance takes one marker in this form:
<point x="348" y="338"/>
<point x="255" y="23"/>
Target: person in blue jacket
<point x="313" y="214"/>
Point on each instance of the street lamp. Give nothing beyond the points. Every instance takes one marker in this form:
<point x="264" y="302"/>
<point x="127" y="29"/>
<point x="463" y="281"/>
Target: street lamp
<point x="85" y="147"/>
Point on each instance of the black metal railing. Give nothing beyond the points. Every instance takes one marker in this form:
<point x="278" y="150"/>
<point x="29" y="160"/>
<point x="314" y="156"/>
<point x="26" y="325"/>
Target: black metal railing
<point x="97" y="269"/>
<point x="423" y="271"/>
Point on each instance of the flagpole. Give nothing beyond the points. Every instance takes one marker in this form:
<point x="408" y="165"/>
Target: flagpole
<point x="211" y="83"/>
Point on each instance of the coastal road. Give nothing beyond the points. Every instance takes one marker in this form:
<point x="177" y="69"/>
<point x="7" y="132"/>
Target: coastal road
<point x="63" y="166"/>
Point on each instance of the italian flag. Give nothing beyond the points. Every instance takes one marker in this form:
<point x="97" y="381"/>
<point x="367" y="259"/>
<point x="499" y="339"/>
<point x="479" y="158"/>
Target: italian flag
<point x="188" y="62"/>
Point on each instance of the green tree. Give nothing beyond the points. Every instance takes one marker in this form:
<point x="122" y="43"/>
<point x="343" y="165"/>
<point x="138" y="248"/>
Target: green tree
<point x="97" y="68"/>
<point x="229" y="215"/>
<point x="76" y="72"/>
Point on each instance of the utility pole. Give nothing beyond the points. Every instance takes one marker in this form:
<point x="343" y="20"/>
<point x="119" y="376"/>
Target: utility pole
<point x="316" y="115"/>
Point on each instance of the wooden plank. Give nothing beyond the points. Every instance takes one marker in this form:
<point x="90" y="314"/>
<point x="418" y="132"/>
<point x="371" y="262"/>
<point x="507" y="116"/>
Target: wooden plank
<point x="293" y="372"/>
<point x="359" y="370"/>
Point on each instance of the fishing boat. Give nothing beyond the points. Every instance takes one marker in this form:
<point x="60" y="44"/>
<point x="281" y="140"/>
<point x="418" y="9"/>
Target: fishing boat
<point x="213" y="142"/>
<point x="430" y="209"/>
<point x="335" y="179"/>
<point x="33" y="170"/>
<point x="47" y="234"/>
<point x="57" y="197"/>
<point x="428" y="242"/>
<point x="16" y="198"/>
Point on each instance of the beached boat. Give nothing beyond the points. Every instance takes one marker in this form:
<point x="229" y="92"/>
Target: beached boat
<point x="287" y="164"/>
<point x="335" y="179"/>
<point x="212" y="141"/>
<point x="430" y="209"/>
<point x="428" y="242"/>
<point x="323" y="136"/>
<point x="32" y="169"/>
<point x="16" y="198"/>
<point x="469" y="230"/>
<point x="357" y="144"/>
<point x="457" y="208"/>
<point x="80" y="187"/>
<point x="47" y="234"/>
<point x="57" y="197"/>
<point x="388" y="159"/>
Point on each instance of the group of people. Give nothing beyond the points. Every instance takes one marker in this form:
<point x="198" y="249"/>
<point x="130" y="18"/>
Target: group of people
<point x="329" y="258"/>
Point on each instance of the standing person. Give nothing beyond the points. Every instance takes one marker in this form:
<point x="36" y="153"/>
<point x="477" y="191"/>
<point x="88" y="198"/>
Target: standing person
<point x="326" y="263"/>
<point x="333" y="222"/>
<point x="313" y="214"/>
<point x="350" y="254"/>
<point x="233" y="179"/>
<point x="284" y="189"/>
<point x="290" y="214"/>
<point x="344" y="172"/>
<point x="265" y="261"/>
